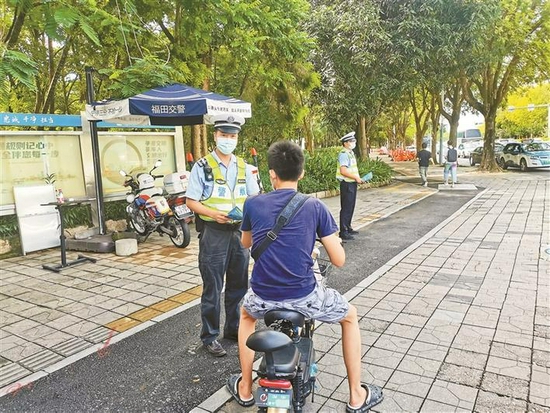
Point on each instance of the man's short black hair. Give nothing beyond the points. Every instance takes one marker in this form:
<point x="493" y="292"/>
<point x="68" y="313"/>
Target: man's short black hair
<point x="286" y="159"/>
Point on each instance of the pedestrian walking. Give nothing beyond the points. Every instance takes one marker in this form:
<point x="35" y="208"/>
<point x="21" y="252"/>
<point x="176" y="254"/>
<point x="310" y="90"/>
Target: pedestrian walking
<point x="451" y="164"/>
<point x="218" y="186"/>
<point x="290" y="282"/>
<point x="424" y="159"/>
<point x="347" y="174"/>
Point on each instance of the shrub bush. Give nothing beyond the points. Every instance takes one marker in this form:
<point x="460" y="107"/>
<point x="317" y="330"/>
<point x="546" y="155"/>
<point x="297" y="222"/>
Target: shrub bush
<point x="320" y="171"/>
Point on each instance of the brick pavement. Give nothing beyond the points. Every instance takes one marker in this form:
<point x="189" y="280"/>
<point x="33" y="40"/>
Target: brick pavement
<point x="460" y="320"/>
<point x="49" y="320"/>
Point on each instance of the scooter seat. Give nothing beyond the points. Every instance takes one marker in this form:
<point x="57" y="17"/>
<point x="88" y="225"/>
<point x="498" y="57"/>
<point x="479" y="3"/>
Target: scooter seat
<point x="285" y="362"/>
<point x="297" y="319"/>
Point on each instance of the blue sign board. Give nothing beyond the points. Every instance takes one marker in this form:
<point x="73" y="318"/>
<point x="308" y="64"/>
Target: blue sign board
<point x="43" y="120"/>
<point x="33" y="119"/>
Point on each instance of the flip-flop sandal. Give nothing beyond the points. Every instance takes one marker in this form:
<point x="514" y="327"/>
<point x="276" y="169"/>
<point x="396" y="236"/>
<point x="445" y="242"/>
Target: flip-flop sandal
<point x="374" y="396"/>
<point x="232" y="386"/>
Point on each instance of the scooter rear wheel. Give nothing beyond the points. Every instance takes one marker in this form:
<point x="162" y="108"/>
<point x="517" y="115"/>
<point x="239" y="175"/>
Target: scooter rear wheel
<point x="182" y="231"/>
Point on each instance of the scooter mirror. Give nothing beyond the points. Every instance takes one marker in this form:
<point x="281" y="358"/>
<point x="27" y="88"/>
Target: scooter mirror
<point x="122" y="173"/>
<point x="158" y="163"/>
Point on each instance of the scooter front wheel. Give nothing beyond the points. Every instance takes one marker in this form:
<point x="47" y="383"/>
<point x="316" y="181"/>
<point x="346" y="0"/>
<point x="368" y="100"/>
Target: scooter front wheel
<point x="138" y="222"/>
<point x="182" y="236"/>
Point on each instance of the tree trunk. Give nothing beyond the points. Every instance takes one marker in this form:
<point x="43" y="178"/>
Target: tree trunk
<point x="420" y="116"/>
<point x="204" y="139"/>
<point x="455" y="97"/>
<point x="48" y="105"/>
<point x="308" y="135"/>
<point x="12" y="36"/>
<point x="435" y="141"/>
<point x="488" y="162"/>
<point x="363" y="146"/>
<point x="196" y="140"/>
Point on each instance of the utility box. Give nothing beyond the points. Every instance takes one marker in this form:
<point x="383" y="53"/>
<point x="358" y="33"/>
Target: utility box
<point x="177" y="182"/>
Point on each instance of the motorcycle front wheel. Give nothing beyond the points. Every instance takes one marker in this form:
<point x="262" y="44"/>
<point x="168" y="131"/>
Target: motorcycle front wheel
<point x="182" y="236"/>
<point x="138" y="222"/>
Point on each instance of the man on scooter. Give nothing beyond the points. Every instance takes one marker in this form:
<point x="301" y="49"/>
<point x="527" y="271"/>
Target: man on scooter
<point x="283" y="277"/>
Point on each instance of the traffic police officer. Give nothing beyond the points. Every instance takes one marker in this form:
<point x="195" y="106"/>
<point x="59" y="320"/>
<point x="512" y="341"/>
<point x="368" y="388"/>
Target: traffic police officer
<point x="218" y="183"/>
<point x="348" y="175"/>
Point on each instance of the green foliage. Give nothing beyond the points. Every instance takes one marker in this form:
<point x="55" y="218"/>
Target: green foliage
<point x="17" y="68"/>
<point x="8" y="226"/>
<point x="352" y="59"/>
<point x="522" y="122"/>
<point x="516" y="32"/>
<point x="115" y="210"/>
<point x="9" y="231"/>
<point x="77" y="215"/>
<point x="145" y="73"/>
<point x="320" y="171"/>
<point x="318" y="65"/>
<point x="381" y="171"/>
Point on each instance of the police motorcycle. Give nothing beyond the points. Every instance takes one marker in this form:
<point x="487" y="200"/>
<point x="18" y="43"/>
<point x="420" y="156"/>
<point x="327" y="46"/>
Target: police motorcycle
<point x="149" y="210"/>
<point x="288" y="368"/>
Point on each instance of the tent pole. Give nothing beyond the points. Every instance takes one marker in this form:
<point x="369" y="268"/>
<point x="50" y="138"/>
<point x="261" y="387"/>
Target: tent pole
<point x="98" y="184"/>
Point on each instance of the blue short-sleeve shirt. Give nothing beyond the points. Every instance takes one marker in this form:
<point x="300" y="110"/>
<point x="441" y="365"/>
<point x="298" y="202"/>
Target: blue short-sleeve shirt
<point x="284" y="270"/>
<point x="344" y="159"/>
<point x="199" y="189"/>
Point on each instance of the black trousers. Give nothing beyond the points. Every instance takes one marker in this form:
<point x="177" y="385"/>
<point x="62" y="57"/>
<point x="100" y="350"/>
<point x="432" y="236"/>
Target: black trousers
<point x="348" y="196"/>
<point x="221" y="253"/>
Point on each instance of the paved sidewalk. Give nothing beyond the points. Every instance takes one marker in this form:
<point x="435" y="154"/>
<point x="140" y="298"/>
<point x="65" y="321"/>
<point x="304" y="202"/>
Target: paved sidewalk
<point x="49" y="320"/>
<point x="460" y="320"/>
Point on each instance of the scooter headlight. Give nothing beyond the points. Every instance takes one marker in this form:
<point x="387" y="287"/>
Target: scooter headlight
<point x="130" y="198"/>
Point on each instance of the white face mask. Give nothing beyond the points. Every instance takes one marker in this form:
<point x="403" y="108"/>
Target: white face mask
<point x="351" y="146"/>
<point x="226" y="145"/>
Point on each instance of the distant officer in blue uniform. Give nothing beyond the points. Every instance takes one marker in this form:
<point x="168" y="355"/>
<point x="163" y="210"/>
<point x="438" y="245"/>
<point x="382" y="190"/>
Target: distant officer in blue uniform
<point x="219" y="183"/>
<point x="347" y="174"/>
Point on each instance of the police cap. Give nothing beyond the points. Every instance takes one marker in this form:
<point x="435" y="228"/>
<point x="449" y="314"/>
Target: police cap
<point x="228" y="123"/>
<point x="347" y="137"/>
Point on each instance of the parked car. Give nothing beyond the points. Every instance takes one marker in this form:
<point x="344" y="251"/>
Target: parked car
<point x="525" y="155"/>
<point x="477" y="154"/>
<point x="383" y="150"/>
<point x="466" y="147"/>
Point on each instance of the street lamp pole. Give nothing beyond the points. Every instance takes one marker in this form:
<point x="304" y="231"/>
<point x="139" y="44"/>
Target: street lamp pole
<point x="441" y="128"/>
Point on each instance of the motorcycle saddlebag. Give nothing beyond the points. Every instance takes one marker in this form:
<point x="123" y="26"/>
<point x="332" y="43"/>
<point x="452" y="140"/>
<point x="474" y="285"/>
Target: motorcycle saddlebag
<point x="176" y="183"/>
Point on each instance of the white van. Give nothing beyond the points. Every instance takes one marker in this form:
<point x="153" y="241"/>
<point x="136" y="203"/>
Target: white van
<point x="467" y="140"/>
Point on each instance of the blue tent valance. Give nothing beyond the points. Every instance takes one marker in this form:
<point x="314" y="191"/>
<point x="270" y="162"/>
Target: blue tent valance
<point x="175" y="104"/>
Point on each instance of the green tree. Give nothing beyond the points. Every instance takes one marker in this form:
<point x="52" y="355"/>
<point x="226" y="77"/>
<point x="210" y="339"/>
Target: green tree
<point x="510" y="52"/>
<point x="46" y="33"/>
<point x="351" y="58"/>
<point x="522" y="121"/>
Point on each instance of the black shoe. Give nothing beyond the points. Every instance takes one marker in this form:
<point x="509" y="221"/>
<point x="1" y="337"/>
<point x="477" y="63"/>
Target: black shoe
<point x="231" y="336"/>
<point x="352" y="232"/>
<point x="346" y="236"/>
<point x="215" y="348"/>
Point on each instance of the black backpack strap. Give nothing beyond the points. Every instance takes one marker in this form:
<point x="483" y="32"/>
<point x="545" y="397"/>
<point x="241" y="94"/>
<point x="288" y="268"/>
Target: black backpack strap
<point x="284" y="218"/>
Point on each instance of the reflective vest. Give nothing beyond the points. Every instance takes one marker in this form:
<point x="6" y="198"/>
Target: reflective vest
<point x="222" y="198"/>
<point x="352" y="168"/>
